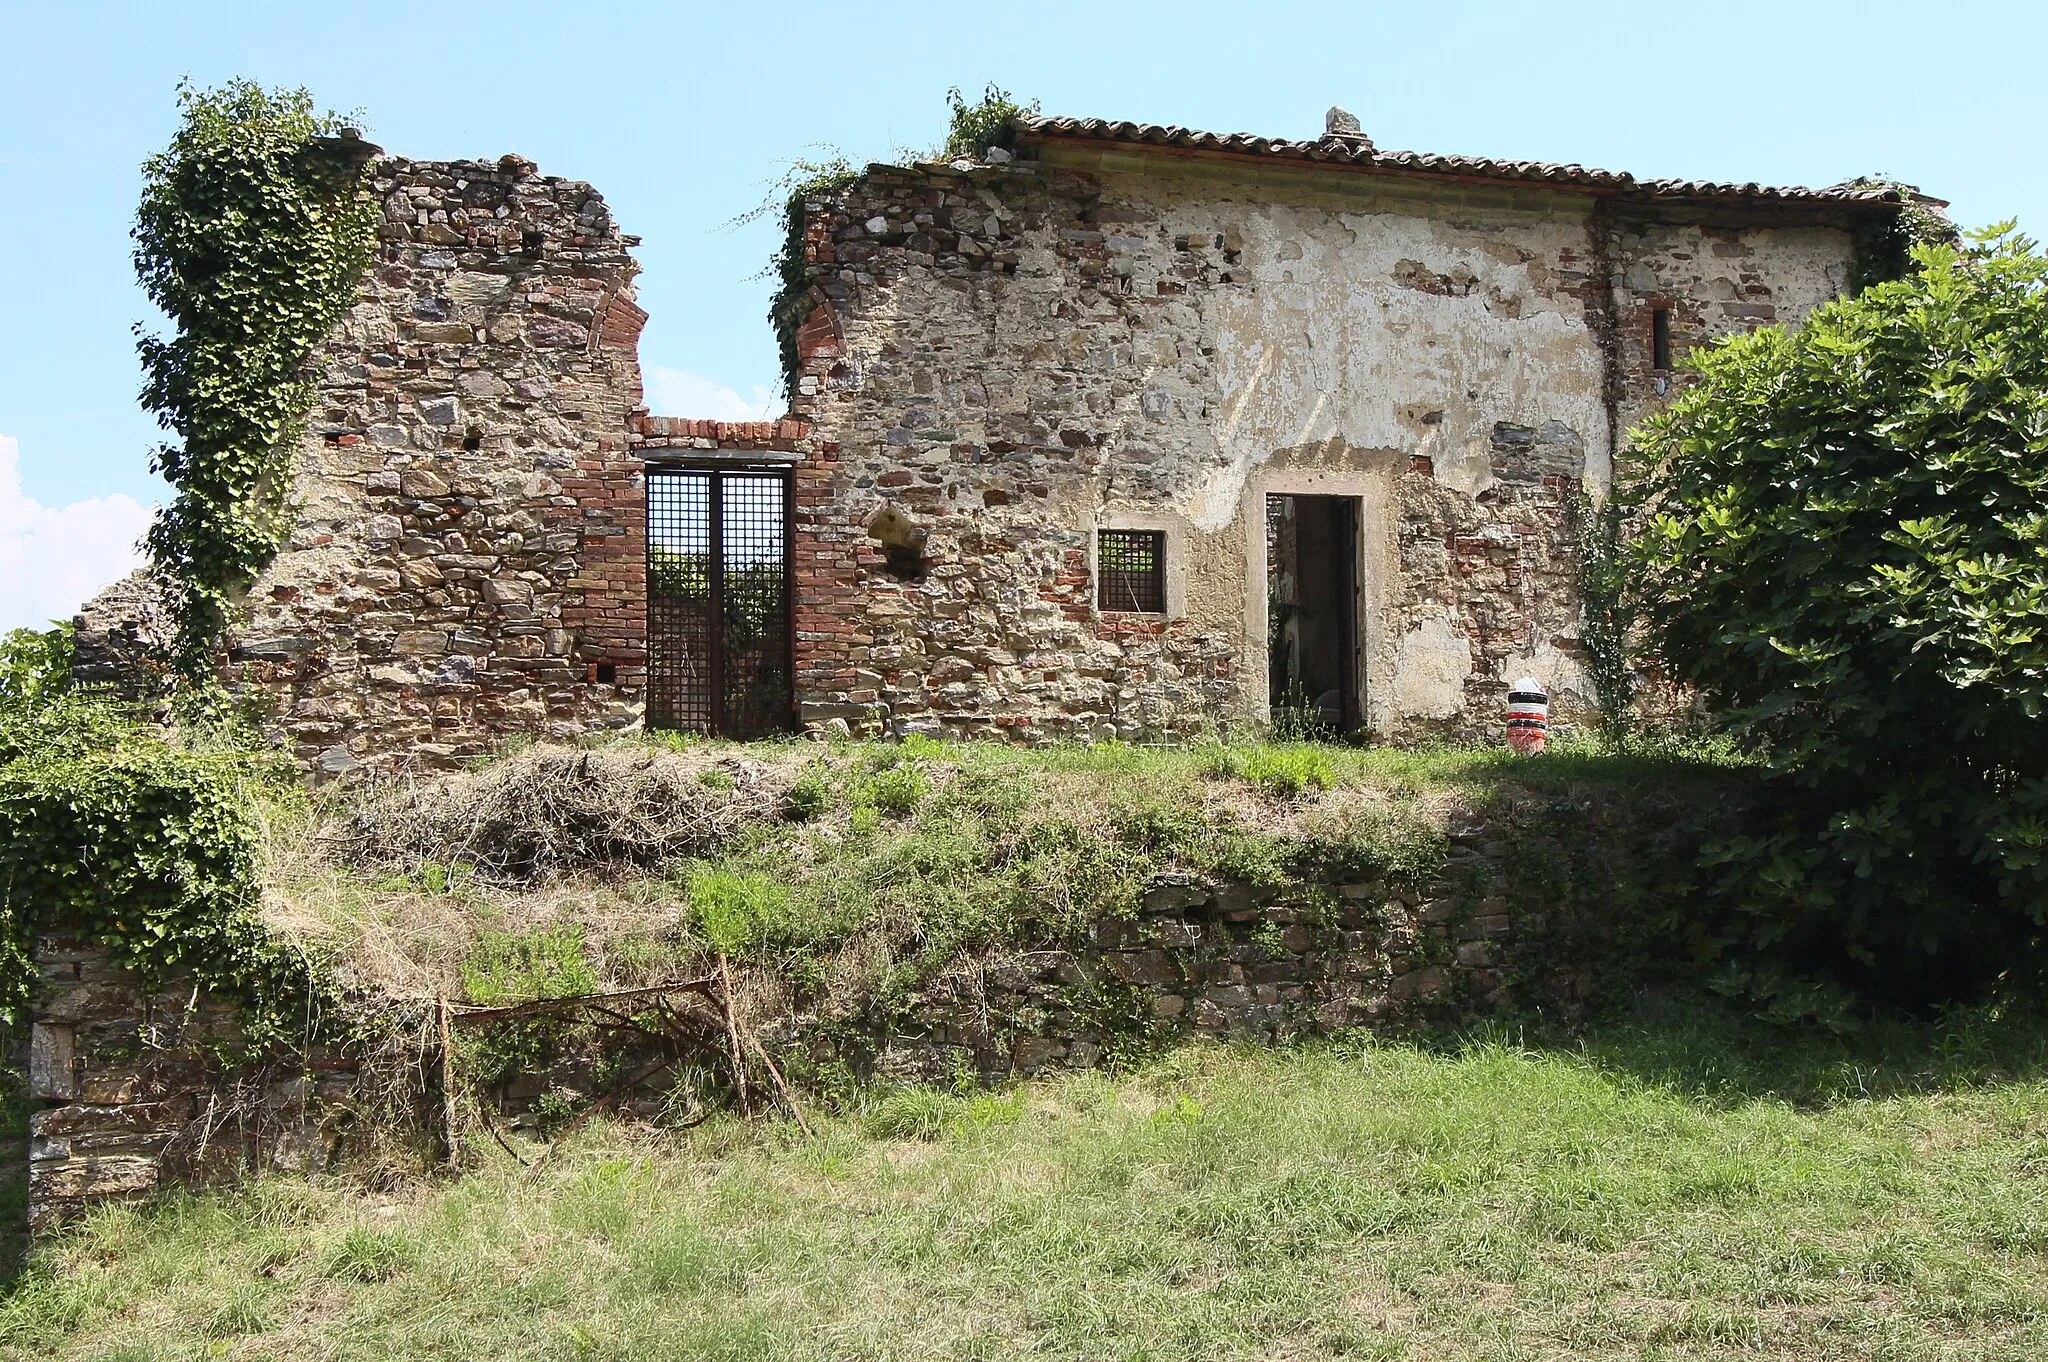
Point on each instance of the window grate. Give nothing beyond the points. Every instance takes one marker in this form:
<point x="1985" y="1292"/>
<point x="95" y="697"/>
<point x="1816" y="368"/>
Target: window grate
<point x="718" y="601"/>
<point x="679" y="614"/>
<point x="1130" y="570"/>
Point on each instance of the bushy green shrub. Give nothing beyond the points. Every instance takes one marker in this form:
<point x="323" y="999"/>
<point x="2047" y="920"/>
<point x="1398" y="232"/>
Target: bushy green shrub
<point x="1849" y="558"/>
<point x="149" y="849"/>
<point x="35" y="665"/>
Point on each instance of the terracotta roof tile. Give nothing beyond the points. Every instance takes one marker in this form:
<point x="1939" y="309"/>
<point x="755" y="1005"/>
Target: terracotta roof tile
<point x="1360" y="152"/>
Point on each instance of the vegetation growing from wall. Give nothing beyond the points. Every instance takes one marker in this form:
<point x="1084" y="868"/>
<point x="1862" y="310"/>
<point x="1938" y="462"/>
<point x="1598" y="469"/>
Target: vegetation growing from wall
<point x="1608" y="605"/>
<point x="1850" y="560"/>
<point x="111" y="831"/>
<point x="251" y="237"/>
<point x="1884" y="244"/>
<point x="804" y="188"/>
<point x="807" y="187"/>
<point x="974" y="129"/>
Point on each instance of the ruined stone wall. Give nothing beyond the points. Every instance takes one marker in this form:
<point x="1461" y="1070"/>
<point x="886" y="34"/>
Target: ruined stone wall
<point x="469" y="550"/>
<point x="130" y="1093"/>
<point x="997" y="361"/>
<point x="1015" y="356"/>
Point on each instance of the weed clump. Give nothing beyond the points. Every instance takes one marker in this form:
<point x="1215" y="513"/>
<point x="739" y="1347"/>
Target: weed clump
<point x="738" y="909"/>
<point x="1291" y="771"/>
<point x="518" y="967"/>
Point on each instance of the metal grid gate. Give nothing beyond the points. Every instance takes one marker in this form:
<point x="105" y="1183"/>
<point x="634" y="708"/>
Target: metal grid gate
<point x="718" y="601"/>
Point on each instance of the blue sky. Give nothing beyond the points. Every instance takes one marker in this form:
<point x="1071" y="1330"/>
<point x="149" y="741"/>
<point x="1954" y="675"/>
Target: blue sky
<point x="683" y="115"/>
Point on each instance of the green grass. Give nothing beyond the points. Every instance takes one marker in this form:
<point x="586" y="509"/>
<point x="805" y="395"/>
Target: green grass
<point x="1676" y="1187"/>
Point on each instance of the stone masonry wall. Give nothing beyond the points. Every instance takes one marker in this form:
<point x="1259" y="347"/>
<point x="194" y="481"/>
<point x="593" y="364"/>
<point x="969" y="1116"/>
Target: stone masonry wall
<point x="129" y="1093"/>
<point x="131" y="1097"/>
<point x="470" y="544"/>
<point x="997" y="361"/>
<point x="1010" y="357"/>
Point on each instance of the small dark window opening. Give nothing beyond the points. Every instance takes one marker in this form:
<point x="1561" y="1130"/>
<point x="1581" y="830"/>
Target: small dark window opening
<point x="904" y="561"/>
<point x="1660" y="337"/>
<point x="1130" y="571"/>
<point x="604" y="673"/>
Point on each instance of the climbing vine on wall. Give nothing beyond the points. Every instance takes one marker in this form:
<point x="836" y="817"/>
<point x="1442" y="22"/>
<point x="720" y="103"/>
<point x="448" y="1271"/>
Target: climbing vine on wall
<point x="251" y="237"/>
<point x="1609" y="611"/>
<point x="805" y="183"/>
<point x="1884" y="245"/>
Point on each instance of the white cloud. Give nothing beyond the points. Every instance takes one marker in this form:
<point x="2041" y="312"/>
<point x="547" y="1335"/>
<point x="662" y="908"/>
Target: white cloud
<point x="55" y="558"/>
<point x="674" y="392"/>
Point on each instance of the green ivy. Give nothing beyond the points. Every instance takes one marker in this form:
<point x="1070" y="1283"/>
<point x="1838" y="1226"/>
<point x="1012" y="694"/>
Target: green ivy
<point x="251" y="237"/>
<point x="111" y="833"/>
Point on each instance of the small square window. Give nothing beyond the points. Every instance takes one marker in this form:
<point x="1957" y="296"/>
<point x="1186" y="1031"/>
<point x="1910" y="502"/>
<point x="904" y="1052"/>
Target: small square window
<point x="1130" y="570"/>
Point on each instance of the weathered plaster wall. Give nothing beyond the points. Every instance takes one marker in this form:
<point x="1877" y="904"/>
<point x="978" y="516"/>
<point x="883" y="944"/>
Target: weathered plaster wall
<point x="1019" y="355"/>
<point x="469" y="547"/>
<point x="1717" y="280"/>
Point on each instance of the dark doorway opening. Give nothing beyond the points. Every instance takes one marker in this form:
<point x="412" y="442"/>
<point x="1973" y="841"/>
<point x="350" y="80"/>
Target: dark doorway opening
<point x="1312" y="614"/>
<point x="719" y="633"/>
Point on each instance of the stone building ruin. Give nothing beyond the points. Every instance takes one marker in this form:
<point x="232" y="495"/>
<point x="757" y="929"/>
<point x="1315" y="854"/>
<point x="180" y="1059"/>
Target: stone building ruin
<point x="1122" y="430"/>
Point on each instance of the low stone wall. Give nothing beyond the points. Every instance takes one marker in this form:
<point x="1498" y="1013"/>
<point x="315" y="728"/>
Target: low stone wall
<point x="1216" y="960"/>
<point x="134" y="1092"/>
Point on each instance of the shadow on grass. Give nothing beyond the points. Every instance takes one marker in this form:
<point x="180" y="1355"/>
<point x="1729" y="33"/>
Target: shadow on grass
<point x="14" y="1109"/>
<point x="1709" y="1051"/>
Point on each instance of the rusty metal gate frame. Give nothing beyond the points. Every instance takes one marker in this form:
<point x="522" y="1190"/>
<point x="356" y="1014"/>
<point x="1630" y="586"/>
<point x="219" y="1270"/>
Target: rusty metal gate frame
<point x="700" y="698"/>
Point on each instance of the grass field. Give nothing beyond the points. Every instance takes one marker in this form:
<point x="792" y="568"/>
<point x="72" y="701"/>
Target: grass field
<point x="1675" y="1186"/>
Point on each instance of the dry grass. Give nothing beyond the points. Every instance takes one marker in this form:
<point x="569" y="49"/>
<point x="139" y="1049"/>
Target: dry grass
<point x="900" y="849"/>
<point x="547" y="811"/>
<point x="395" y="883"/>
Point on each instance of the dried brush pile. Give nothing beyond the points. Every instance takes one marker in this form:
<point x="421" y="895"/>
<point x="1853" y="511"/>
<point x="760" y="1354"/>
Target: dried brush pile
<point x="530" y="816"/>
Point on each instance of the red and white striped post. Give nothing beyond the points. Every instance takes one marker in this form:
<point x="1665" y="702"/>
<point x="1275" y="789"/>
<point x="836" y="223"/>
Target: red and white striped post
<point x="1528" y="716"/>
